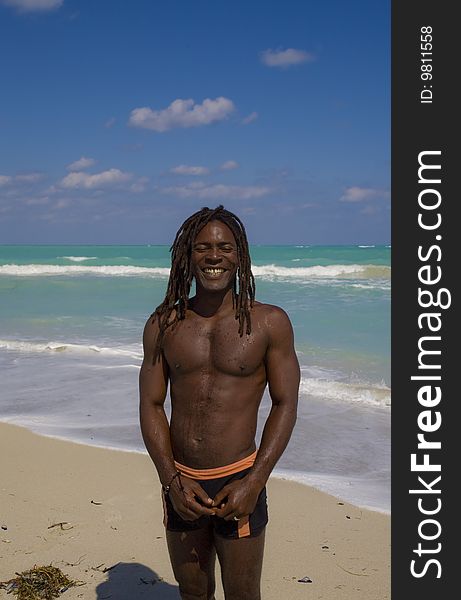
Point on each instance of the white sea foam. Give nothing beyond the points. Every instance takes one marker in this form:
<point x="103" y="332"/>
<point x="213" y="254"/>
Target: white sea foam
<point x="372" y="285"/>
<point x="31" y="346"/>
<point x="318" y="382"/>
<point x="357" y="393"/>
<point x="359" y="491"/>
<point x="104" y="270"/>
<point x="261" y="271"/>
<point x="79" y="258"/>
<point x="323" y="272"/>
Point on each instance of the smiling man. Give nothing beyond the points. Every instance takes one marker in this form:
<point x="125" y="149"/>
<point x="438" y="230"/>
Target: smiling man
<point x="217" y="350"/>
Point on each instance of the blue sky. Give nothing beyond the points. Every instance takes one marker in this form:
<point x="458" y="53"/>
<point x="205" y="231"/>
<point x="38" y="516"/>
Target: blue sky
<point x="119" y="119"/>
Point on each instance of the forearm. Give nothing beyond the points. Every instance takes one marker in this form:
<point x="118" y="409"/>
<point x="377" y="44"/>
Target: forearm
<point x="183" y="492"/>
<point x="276" y="435"/>
<point x="156" y="434"/>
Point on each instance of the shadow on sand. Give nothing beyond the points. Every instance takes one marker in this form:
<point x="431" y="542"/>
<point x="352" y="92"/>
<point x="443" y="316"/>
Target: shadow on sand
<point x="130" y="581"/>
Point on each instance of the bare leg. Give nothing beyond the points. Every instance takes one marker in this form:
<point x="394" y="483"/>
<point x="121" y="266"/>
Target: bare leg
<point x="192" y="556"/>
<point x="241" y="565"/>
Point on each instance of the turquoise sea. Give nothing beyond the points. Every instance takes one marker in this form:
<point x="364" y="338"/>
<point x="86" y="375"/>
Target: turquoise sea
<point x="71" y="320"/>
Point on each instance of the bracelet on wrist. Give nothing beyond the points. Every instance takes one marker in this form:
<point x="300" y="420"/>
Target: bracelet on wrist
<point x="166" y="488"/>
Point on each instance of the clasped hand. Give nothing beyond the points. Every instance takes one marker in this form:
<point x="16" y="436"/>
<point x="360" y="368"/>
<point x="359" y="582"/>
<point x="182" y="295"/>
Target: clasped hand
<point x="236" y="499"/>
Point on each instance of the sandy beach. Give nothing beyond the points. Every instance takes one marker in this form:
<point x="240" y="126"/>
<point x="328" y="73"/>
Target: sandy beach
<point x="96" y="514"/>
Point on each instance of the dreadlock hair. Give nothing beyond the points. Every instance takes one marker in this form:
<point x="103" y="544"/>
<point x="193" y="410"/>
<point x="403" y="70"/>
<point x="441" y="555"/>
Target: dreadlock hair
<point x="181" y="276"/>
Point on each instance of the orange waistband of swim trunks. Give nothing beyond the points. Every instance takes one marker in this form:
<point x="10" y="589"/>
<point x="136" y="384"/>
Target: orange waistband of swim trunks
<point x="235" y="467"/>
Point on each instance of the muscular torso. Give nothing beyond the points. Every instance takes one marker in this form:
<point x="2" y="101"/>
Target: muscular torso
<point x="217" y="379"/>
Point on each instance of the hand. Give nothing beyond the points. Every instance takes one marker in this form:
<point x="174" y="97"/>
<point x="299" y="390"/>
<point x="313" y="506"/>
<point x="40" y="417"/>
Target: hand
<point x="183" y="495"/>
<point x="236" y="499"/>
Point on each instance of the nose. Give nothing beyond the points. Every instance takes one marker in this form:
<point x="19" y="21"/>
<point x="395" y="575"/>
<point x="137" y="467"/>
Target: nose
<point x="213" y="255"/>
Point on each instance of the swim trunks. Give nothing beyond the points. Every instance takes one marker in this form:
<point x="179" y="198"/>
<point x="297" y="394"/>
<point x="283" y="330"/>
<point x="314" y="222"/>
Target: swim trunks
<point x="213" y="480"/>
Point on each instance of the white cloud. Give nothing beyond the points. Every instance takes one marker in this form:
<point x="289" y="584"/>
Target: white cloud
<point x="359" y="194"/>
<point x="29" y="177"/>
<point x="250" y="118"/>
<point x="189" y="170"/>
<point x="182" y="113"/>
<point x="285" y="58"/>
<point x="81" y="163"/>
<point x="229" y="165"/>
<point x="213" y="192"/>
<point x="140" y="185"/>
<point x="22" y="178"/>
<point x="33" y="5"/>
<point x="79" y="179"/>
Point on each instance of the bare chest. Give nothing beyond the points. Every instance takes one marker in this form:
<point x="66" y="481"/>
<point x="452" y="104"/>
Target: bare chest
<point x="199" y="345"/>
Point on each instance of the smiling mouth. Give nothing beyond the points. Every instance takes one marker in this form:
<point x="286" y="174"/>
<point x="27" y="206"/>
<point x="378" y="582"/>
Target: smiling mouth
<point x="213" y="270"/>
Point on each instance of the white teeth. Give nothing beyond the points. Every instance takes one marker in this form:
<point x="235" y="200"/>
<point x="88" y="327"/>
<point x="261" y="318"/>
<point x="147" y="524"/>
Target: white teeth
<point x="214" y="271"/>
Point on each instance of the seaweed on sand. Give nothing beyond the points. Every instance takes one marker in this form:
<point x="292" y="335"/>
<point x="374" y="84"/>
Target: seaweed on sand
<point x="39" y="583"/>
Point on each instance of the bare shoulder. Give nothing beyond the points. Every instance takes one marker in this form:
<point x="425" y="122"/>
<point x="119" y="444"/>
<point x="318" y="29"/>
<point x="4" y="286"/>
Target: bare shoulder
<point x="152" y="328"/>
<point x="152" y="324"/>
<point x="272" y="318"/>
<point x="270" y="312"/>
<point x="150" y="333"/>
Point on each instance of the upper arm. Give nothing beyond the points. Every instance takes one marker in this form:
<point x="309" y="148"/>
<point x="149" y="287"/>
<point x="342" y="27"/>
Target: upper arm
<point x="282" y="367"/>
<point x="153" y="376"/>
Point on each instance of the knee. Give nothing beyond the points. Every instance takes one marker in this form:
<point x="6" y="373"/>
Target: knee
<point x="242" y="592"/>
<point x="194" y="591"/>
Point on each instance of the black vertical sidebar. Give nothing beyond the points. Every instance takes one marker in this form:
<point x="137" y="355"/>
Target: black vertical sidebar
<point x="426" y="254"/>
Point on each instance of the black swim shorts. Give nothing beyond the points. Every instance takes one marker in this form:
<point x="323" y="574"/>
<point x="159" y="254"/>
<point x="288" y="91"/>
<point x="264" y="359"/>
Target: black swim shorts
<point x="249" y="526"/>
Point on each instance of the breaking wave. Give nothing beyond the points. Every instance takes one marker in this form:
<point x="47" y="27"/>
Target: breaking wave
<point x="269" y="272"/>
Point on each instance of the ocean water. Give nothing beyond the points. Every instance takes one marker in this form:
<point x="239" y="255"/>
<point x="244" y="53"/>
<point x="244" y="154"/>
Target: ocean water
<point x="71" y="321"/>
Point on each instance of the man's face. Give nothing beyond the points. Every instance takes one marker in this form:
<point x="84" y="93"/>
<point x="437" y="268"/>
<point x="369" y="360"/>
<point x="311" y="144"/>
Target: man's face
<point x="214" y="257"/>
